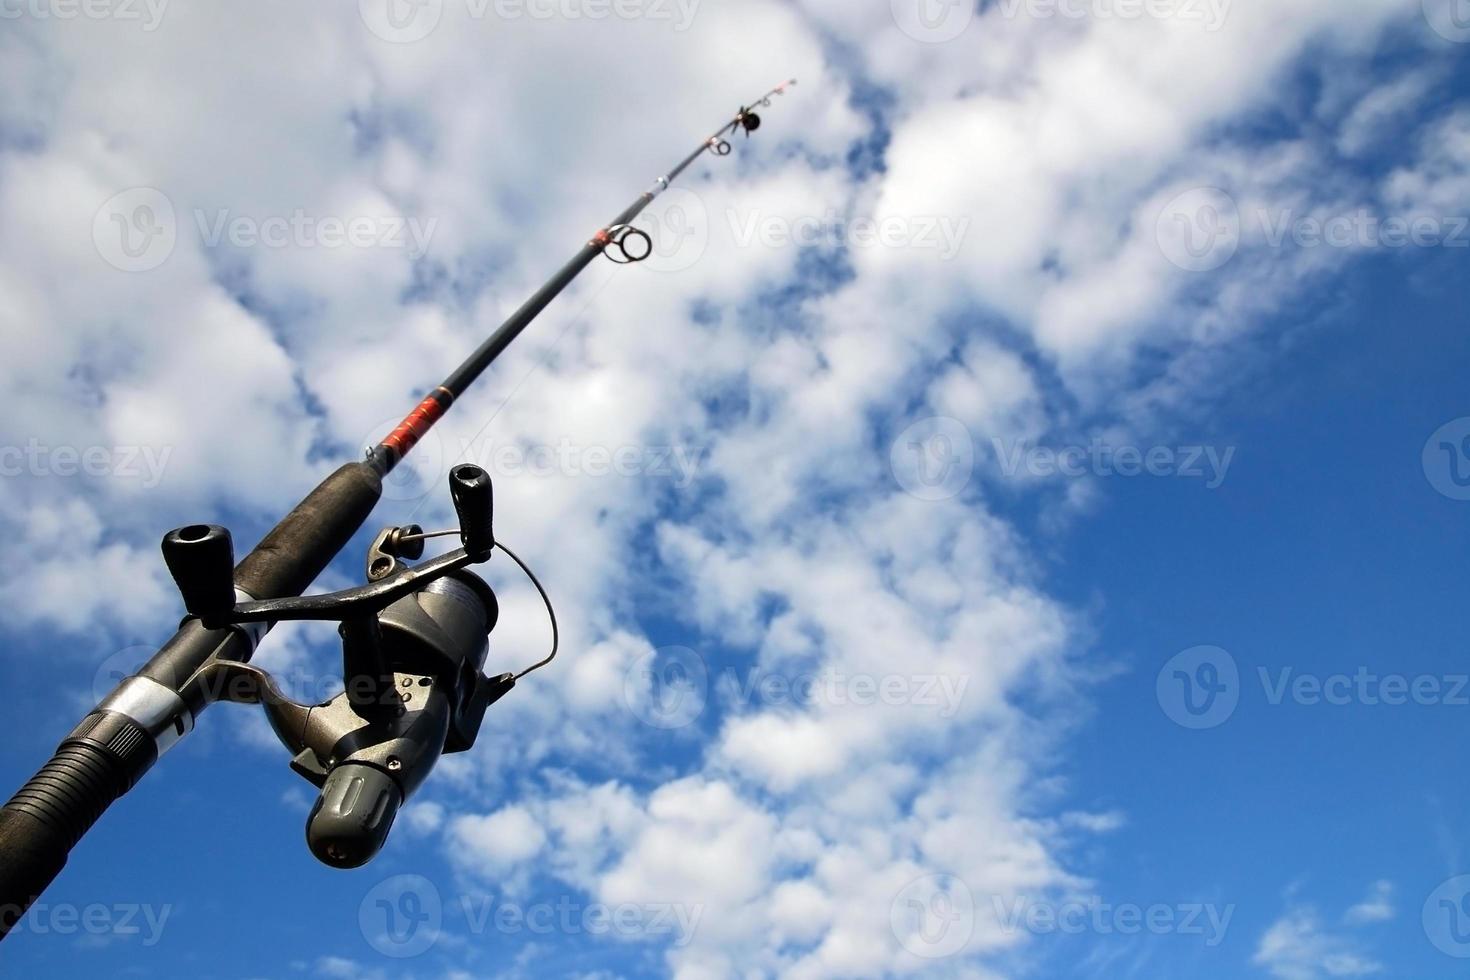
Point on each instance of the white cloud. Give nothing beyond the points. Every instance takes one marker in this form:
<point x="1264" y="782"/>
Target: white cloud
<point x="1438" y="182"/>
<point x="1300" y="946"/>
<point x="1376" y="907"/>
<point x="495" y="842"/>
<point x="423" y="817"/>
<point x="1381" y="111"/>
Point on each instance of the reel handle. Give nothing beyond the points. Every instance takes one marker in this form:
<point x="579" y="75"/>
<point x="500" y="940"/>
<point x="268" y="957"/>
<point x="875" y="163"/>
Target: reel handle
<point x="473" y="496"/>
<point x="201" y="559"/>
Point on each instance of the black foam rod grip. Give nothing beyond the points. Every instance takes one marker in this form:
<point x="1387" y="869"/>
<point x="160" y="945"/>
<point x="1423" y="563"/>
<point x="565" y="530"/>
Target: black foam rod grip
<point x="306" y="540"/>
<point x="201" y="558"/>
<point x="470" y="489"/>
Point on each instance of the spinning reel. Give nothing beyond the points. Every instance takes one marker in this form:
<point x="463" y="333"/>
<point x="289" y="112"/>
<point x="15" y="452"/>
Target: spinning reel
<point x="414" y="641"/>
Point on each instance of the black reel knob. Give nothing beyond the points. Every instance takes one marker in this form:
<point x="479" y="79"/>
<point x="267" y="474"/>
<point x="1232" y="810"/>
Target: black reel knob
<point x="201" y="559"/>
<point x="353" y="815"/>
<point x="470" y="489"/>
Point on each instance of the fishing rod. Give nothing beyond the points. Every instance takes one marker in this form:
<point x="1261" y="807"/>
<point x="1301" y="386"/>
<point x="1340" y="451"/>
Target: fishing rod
<point x="619" y="240"/>
<point x="414" y="638"/>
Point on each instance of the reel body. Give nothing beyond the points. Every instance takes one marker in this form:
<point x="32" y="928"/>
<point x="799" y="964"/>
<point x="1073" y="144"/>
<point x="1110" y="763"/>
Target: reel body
<point x="414" y="644"/>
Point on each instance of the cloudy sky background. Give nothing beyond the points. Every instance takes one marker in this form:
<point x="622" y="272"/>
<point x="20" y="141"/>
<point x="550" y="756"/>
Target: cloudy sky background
<point x="808" y="445"/>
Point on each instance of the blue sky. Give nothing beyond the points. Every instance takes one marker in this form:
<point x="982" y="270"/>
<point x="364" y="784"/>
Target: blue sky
<point x="874" y="663"/>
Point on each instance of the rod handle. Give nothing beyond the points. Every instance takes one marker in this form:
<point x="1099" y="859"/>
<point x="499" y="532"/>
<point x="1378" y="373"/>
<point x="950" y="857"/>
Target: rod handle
<point x="296" y="550"/>
<point x="97" y="763"/>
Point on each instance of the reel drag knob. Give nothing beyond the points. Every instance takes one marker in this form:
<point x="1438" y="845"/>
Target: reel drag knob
<point x="353" y="815"/>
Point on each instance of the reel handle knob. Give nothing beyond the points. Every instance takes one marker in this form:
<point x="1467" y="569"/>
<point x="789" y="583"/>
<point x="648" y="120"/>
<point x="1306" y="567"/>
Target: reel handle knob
<point x="201" y="559"/>
<point x="473" y="496"/>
